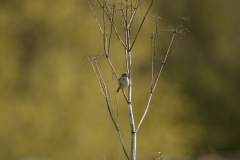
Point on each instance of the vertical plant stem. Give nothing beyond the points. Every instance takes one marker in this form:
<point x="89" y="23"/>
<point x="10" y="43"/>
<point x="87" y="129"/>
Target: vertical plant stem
<point x="129" y="69"/>
<point x="132" y="124"/>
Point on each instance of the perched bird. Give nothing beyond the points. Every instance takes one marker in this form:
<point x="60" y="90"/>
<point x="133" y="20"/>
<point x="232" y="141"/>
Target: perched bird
<point x="123" y="81"/>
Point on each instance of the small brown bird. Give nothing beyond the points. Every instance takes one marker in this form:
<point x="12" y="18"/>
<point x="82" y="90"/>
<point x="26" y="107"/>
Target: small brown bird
<point x="123" y="81"/>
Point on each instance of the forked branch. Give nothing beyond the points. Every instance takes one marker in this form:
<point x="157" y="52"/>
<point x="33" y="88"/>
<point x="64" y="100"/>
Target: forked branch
<point x="176" y="32"/>
<point x="93" y="60"/>
<point x="140" y="27"/>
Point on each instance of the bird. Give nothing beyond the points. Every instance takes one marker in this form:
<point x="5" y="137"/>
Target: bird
<point x="123" y="81"/>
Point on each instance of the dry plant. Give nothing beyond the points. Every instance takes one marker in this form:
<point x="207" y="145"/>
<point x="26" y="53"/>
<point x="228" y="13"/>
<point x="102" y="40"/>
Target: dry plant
<point x="158" y="156"/>
<point x="128" y="11"/>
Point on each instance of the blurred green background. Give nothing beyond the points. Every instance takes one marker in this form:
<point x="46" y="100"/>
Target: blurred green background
<point x="51" y="106"/>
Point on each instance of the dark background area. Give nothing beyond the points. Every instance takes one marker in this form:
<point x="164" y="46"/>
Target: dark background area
<point x="51" y="106"/>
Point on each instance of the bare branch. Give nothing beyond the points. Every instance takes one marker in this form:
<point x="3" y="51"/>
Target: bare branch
<point x="173" y="49"/>
<point x="105" y="45"/>
<point x="155" y="83"/>
<point x="110" y="63"/>
<point x="141" y="8"/>
<point x="93" y="60"/>
<point x="131" y="6"/>
<point x="125" y="96"/>
<point x="114" y="88"/>
<point x="166" y="56"/>
<point x="104" y="33"/>
<point x="111" y="28"/>
<point x="112" y="23"/>
<point x="98" y="78"/>
<point x="179" y="30"/>
<point x="124" y="17"/>
<point x="144" y="17"/>
<point x="95" y="17"/>
<point x="156" y="16"/>
<point x="153" y="39"/>
<point x="145" y="112"/>
<point x="133" y="14"/>
<point x="117" y="128"/>
<point x="101" y="79"/>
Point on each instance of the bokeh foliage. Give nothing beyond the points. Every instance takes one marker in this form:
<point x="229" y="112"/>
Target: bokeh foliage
<point x="50" y="102"/>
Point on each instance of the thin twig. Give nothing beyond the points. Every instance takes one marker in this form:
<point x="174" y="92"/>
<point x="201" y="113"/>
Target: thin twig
<point x="145" y="112"/>
<point x="117" y="107"/>
<point x="173" y="49"/>
<point x="97" y="78"/>
<point x="131" y="7"/>
<point x="106" y="48"/>
<point x="141" y="8"/>
<point x="119" y="152"/>
<point x="112" y="23"/>
<point x="101" y="79"/>
<point x="110" y="63"/>
<point x="95" y="17"/>
<point x="111" y="28"/>
<point x="155" y="83"/>
<point x="153" y="59"/>
<point x="104" y="33"/>
<point x="158" y="39"/>
<point x="124" y="17"/>
<point x="125" y="95"/>
<point x="133" y="14"/>
<point x="106" y="95"/>
<point x="166" y="56"/>
<point x="116" y="126"/>
<point x="144" y="17"/>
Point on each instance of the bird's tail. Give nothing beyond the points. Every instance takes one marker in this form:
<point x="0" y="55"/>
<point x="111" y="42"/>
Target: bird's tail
<point x="118" y="89"/>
